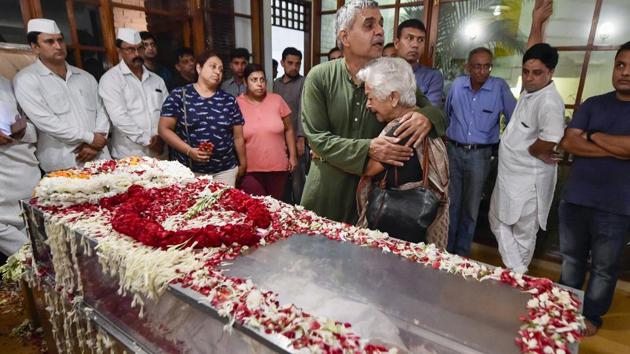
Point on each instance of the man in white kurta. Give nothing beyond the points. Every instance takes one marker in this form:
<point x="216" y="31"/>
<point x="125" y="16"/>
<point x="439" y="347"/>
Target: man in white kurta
<point x="62" y="102"/>
<point x="133" y="97"/>
<point x="19" y="172"/>
<point x="527" y="173"/>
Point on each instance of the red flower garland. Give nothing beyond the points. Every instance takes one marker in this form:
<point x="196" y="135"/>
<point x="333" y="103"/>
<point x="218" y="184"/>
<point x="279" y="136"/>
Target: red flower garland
<point x="139" y="211"/>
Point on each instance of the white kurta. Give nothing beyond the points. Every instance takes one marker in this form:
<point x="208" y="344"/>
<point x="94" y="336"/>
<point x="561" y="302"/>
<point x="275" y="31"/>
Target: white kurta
<point x="19" y="174"/>
<point x="538" y="115"/>
<point x="133" y="106"/>
<point x="66" y="112"/>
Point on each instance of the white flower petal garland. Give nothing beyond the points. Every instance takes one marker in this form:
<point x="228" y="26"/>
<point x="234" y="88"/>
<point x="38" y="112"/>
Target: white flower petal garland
<point x="552" y="320"/>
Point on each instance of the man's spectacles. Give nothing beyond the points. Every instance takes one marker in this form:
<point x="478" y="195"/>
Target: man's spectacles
<point x="482" y="67"/>
<point x="133" y="49"/>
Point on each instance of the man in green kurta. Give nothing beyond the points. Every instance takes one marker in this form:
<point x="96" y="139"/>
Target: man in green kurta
<point x="340" y="128"/>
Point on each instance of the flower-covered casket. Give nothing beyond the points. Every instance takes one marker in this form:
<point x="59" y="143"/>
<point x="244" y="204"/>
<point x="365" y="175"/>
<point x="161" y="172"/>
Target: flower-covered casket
<point x="143" y="253"/>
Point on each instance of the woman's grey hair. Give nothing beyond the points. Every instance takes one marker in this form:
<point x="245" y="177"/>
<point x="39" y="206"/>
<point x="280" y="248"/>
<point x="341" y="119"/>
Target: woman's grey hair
<point x="348" y="13"/>
<point x="386" y="75"/>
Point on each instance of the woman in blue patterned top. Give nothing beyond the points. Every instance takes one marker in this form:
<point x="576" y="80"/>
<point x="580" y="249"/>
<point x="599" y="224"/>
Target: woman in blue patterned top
<point x="199" y="115"/>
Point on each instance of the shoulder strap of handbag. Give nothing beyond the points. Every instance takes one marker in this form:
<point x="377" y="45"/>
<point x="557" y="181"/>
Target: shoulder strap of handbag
<point x="425" y="162"/>
<point x="425" y="167"/>
<point x="186" y="123"/>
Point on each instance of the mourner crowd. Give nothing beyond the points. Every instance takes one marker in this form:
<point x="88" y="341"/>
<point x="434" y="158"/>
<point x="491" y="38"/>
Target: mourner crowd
<point x="366" y="138"/>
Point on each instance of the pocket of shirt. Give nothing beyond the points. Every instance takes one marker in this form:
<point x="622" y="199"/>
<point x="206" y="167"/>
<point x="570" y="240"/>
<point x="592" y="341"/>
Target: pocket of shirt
<point x="89" y="102"/>
<point x="58" y="103"/>
<point x="488" y="121"/>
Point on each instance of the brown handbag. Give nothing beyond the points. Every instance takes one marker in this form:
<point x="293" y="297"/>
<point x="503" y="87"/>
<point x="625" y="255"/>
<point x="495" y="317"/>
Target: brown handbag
<point x="403" y="214"/>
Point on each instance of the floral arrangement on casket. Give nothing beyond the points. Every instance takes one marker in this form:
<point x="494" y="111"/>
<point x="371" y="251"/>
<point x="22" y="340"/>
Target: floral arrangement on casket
<point x="180" y="229"/>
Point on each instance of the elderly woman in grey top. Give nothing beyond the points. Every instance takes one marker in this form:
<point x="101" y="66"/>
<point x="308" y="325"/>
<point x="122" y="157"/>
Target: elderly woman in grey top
<point x="390" y="87"/>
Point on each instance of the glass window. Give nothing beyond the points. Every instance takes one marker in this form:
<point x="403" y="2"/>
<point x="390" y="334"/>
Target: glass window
<point x="56" y="10"/>
<point x="463" y="26"/>
<point x="168" y="32"/>
<point x="567" y="75"/>
<point x="169" y="5"/>
<point x="328" y="36"/>
<point x="386" y="2"/>
<point x="222" y="5"/>
<point x="242" y="7"/>
<point x="329" y="5"/>
<point x="612" y="28"/>
<point x="88" y="22"/>
<point x="93" y="62"/>
<point x="388" y="23"/>
<point x="599" y="74"/>
<point x="570" y="23"/>
<point x="410" y="12"/>
<point x="243" y="32"/>
<point x="11" y="24"/>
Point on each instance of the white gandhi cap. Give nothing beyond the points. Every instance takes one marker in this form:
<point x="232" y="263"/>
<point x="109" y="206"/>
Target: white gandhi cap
<point x="129" y="35"/>
<point x="43" y="25"/>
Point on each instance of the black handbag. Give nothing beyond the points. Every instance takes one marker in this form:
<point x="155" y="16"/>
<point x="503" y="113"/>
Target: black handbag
<point x="403" y="214"/>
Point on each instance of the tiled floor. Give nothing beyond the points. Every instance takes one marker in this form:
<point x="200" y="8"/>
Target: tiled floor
<point x="613" y="337"/>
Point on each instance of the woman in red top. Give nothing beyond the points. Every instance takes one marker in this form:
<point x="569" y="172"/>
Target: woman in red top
<point x="269" y="137"/>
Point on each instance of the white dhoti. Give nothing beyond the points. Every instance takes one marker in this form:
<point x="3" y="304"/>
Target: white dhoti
<point x="517" y="241"/>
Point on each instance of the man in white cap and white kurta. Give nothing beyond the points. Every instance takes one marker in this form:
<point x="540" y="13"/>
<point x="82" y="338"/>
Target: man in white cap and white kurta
<point x="133" y="97"/>
<point x="62" y="102"/>
<point x="19" y="172"/>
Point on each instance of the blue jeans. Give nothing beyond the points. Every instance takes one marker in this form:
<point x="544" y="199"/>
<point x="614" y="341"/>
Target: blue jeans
<point x="468" y="173"/>
<point x="583" y="230"/>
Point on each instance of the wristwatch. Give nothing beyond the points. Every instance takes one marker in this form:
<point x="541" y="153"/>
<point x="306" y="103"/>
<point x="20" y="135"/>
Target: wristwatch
<point x="589" y="135"/>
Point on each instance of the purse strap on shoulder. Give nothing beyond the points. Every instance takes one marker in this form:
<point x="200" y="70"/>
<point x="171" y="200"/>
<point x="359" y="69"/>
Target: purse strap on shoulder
<point x="425" y="162"/>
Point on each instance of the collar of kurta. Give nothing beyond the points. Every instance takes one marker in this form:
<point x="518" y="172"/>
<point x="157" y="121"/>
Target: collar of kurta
<point x="124" y="69"/>
<point x="550" y="86"/>
<point x="346" y="72"/>
<point x="43" y="70"/>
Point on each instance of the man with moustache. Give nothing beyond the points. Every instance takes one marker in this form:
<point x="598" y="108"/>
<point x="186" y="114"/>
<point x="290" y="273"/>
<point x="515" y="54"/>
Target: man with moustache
<point x="289" y="86"/>
<point x="341" y="130"/>
<point x="595" y="205"/>
<point x="528" y="170"/>
<point x="133" y="97"/>
<point x="409" y="42"/>
<point x="61" y="101"/>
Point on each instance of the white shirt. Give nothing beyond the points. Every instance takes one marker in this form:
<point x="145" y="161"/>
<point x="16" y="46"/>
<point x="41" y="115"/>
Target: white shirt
<point x="66" y="112"/>
<point x="133" y="107"/>
<point x="19" y="172"/>
<point x="538" y="115"/>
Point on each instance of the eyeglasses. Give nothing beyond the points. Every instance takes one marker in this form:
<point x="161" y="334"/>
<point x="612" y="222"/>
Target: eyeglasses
<point x="481" y="67"/>
<point x="133" y="49"/>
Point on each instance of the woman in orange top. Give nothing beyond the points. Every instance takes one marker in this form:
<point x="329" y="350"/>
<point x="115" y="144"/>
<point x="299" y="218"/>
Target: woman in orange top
<point x="269" y="137"/>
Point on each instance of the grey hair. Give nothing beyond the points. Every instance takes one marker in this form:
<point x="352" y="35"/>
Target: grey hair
<point x="386" y="75"/>
<point x="348" y="13"/>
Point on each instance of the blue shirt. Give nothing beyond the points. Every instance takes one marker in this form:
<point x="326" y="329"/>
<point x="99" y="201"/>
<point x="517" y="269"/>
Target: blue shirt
<point x="209" y="119"/>
<point x="474" y="116"/>
<point x="431" y="82"/>
<point x="230" y="86"/>
<point x="602" y="183"/>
